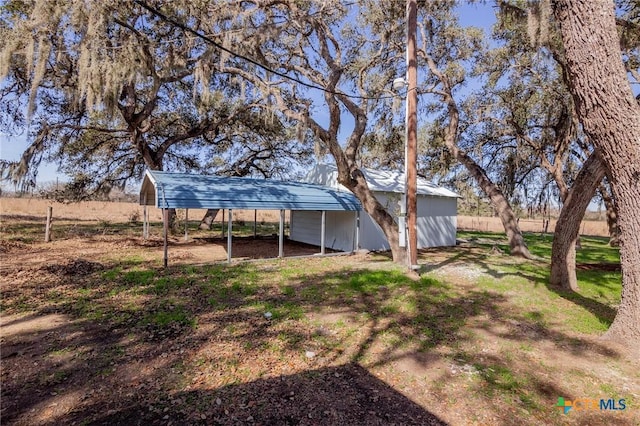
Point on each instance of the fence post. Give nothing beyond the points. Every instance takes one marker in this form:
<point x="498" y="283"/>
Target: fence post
<point x="165" y="228"/>
<point x="255" y="224"/>
<point x="222" y="223"/>
<point x="186" y="225"/>
<point x="323" y="231"/>
<point x="229" y="235"/>
<point x="47" y="228"/>
<point x="281" y="236"/>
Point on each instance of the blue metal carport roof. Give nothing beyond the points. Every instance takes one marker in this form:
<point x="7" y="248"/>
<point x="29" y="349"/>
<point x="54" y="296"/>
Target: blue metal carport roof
<point x="183" y="190"/>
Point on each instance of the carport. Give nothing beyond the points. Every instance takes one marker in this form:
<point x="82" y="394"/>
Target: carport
<point x="166" y="191"/>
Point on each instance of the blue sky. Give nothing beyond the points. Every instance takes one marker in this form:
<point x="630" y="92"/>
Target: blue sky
<point x="11" y="146"/>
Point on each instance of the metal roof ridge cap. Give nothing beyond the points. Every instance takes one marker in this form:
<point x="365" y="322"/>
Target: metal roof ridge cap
<point x="149" y="173"/>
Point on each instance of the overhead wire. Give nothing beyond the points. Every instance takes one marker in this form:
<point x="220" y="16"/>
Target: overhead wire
<point x="209" y="40"/>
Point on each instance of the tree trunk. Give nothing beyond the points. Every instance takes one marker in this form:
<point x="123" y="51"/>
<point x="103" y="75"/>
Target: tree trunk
<point x="610" y="117"/>
<point x="500" y="204"/>
<point x="152" y="159"/>
<point x="612" y="217"/>
<point x="350" y="175"/>
<point x="208" y="218"/>
<point x="565" y="236"/>
<point x="358" y="185"/>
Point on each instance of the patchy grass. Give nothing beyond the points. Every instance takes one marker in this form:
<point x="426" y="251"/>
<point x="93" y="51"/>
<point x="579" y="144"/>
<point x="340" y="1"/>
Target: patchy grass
<point x="479" y="338"/>
<point x="169" y="315"/>
<point x="592" y="308"/>
<point x="593" y="249"/>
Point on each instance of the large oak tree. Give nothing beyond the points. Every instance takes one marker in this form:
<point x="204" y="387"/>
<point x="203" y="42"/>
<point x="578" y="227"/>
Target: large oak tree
<point x="610" y="116"/>
<point x="112" y="89"/>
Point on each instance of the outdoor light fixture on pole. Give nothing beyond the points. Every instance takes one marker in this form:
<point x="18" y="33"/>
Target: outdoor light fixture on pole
<point x="409" y="208"/>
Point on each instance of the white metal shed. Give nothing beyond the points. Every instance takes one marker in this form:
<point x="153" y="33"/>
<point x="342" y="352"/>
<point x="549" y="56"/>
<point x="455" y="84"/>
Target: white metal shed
<point x="437" y="213"/>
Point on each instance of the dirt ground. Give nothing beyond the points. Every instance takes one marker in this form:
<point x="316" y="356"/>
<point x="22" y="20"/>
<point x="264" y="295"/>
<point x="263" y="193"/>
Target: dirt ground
<point x="58" y="369"/>
<point x="65" y="360"/>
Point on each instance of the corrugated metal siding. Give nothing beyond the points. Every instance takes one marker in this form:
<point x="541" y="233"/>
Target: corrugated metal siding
<point x="181" y="190"/>
<point x="341" y="231"/>
<point x="436" y="225"/>
<point x="371" y="235"/>
<point x="437" y="207"/>
<point x="306" y="227"/>
<point x="437" y="220"/>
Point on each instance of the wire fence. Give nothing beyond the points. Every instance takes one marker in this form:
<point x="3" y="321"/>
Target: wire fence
<point x="493" y="224"/>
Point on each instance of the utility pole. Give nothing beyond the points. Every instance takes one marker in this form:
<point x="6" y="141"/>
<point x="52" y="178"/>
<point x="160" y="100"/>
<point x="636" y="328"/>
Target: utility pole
<point x="412" y="134"/>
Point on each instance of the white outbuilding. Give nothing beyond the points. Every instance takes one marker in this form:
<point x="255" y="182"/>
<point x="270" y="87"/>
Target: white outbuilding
<point x="436" y="221"/>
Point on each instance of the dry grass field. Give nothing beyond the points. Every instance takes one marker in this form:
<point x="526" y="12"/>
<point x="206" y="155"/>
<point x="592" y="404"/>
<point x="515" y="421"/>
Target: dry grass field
<point x="493" y="224"/>
<point x="104" y="211"/>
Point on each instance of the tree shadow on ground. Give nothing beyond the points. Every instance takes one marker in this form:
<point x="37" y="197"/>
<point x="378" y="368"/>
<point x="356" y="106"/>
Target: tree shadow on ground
<point x="138" y="338"/>
<point x="535" y="272"/>
<point x="342" y="395"/>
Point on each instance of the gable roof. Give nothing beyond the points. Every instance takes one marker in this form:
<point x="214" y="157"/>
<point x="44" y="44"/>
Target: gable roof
<point x="378" y="181"/>
<point x="184" y="190"/>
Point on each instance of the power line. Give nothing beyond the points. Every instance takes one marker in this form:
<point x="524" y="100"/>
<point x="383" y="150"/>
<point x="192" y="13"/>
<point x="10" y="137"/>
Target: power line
<point x="246" y="58"/>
